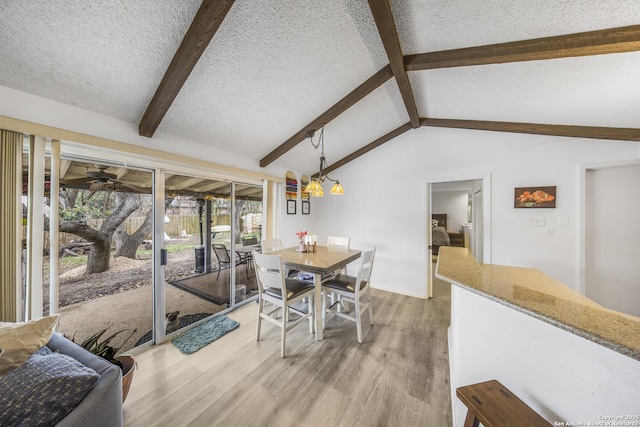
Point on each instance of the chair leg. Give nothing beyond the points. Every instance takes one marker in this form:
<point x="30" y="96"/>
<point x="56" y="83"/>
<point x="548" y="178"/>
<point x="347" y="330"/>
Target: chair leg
<point x="260" y="308"/>
<point x="312" y="318"/>
<point x="285" y="318"/>
<point x="356" y="302"/>
<point x="370" y="307"/>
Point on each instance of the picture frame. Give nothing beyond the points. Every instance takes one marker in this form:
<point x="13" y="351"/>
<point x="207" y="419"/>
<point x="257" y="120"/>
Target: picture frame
<point x="306" y="207"/>
<point x="291" y="207"/>
<point x="535" y="197"/>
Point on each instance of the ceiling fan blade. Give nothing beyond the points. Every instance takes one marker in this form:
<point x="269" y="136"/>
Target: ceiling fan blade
<point x="131" y="187"/>
<point x="75" y="181"/>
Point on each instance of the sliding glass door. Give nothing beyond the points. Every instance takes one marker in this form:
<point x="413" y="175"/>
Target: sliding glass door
<point x="197" y="273"/>
<point x="97" y="273"/>
<point x="139" y="252"/>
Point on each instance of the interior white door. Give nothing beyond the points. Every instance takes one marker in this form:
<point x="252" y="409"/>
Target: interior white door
<point x="612" y="234"/>
<point x="476" y="232"/>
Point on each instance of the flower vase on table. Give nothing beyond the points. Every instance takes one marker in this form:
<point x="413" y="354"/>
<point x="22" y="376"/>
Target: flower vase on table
<point x="301" y="235"/>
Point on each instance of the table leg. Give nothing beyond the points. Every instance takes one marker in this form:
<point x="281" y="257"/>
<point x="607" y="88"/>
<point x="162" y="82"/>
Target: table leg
<point x="317" y="283"/>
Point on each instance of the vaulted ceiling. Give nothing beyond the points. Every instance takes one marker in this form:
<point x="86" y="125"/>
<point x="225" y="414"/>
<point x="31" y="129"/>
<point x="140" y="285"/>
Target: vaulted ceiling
<point x="252" y="76"/>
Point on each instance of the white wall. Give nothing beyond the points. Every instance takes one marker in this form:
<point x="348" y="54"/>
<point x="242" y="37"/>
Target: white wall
<point x="385" y="199"/>
<point x="454" y="204"/>
<point x="563" y="377"/>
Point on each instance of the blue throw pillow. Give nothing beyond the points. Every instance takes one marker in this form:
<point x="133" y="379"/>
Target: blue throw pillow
<point x="44" y="389"/>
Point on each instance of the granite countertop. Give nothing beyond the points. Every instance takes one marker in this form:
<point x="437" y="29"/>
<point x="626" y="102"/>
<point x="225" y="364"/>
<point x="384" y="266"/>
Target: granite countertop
<point x="536" y="294"/>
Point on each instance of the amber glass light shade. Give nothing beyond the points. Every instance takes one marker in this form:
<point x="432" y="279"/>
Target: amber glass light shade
<point x="337" y="188"/>
<point x="314" y="188"/>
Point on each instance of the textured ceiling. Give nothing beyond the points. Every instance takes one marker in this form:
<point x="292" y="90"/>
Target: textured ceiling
<point x="273" y="67"/>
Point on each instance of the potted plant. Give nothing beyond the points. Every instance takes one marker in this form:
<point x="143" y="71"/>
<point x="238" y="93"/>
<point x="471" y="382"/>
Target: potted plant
<point x="107" y="351"/>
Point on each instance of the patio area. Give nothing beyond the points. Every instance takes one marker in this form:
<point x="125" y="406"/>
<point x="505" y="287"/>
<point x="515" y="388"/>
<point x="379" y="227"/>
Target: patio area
<point x="121" y="298"/>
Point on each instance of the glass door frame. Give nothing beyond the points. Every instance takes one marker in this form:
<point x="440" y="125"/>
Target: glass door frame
<point x="76" y="151"/>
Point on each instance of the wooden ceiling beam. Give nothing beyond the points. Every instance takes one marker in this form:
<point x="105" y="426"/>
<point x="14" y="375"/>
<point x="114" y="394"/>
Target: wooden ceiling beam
<point x="619" y="134"/>
<point x="383" y="17"/>
<point x="204" y="26"/>
<point x="378" y="142"/>
<point x="613" y="40"/>
<point x="340" y="107"/>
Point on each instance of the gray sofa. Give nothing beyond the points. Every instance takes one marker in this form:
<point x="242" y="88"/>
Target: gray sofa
<point x="102" y="406"/>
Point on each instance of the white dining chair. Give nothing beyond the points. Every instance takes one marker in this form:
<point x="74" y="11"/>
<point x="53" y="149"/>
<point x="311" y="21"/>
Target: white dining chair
<point x="282" y="292"/>
<point x="355" y="289"/>
<point x="270" y="245"/>
<point x="338" y="242"/>
<point x="275" y="244"/>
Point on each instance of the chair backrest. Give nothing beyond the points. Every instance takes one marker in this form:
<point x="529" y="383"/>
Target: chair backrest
<point x="338" y="242"/>
<point x="268" y="272"/>
<point x="270" y="245"/>
<point x="221" y="253"/>
<point x="253" y="240"/>
<point x="366" y="265"/>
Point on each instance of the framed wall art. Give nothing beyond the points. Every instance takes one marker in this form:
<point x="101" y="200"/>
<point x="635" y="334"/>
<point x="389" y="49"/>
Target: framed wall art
<point x="306" y="207"/>
<point x="535" y="197"/>
<point x="291" y="186"/>
<point x="291" y="207"/>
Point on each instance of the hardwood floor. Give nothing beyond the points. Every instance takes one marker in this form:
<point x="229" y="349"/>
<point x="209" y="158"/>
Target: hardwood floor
<point x="399" y="376"/>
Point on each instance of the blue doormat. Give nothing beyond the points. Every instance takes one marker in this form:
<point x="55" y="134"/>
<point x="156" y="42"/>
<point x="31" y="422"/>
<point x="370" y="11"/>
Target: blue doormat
<point x="196" y="338"/>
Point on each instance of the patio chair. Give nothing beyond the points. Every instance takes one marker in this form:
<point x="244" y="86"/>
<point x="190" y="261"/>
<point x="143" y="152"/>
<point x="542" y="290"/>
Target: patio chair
<point x="282" y="292"/>
<point x="224" y="259"/>
<point x="353" y="289"/>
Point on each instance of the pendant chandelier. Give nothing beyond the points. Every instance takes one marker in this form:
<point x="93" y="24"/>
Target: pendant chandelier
<point x="314" y="188"/>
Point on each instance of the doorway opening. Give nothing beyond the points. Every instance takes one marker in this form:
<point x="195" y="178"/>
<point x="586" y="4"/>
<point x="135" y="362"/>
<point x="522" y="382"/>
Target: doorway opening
<point x="610" y="233"/>
<point x="456" y="216"/>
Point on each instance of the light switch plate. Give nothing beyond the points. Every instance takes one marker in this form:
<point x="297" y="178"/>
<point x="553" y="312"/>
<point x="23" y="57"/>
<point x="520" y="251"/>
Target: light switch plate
<point x="548" y="232"/>
<point x="536" y="220"/>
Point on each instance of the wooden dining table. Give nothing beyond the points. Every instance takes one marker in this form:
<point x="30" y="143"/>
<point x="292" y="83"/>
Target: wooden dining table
<point x="323" y="261"/>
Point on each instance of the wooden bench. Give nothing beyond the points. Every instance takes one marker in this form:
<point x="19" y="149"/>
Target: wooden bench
<point x="494" y="405"/>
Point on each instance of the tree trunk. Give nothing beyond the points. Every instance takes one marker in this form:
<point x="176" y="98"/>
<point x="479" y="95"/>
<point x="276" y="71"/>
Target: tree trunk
<point x="127" y="244"/>
<point x="98" y="259"/>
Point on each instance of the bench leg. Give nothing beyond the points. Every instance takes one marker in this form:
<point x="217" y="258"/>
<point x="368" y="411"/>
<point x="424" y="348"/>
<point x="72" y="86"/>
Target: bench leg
<point x="471" y="420"/>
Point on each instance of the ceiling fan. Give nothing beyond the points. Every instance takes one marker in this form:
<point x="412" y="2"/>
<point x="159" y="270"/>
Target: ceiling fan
<point x="100" y="180"/>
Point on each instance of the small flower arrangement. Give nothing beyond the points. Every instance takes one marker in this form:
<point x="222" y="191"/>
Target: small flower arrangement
<point x="301" y="235"/>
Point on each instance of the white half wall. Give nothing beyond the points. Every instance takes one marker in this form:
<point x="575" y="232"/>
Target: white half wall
<point x="563" y="377"/>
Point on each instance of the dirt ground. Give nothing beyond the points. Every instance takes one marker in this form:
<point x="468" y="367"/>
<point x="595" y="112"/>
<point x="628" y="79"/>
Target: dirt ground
<point x="121" y="298"/>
